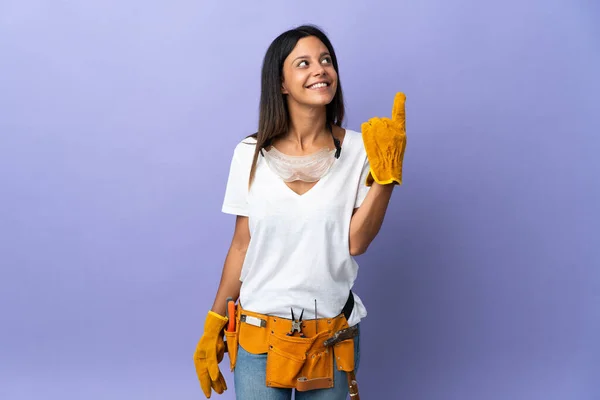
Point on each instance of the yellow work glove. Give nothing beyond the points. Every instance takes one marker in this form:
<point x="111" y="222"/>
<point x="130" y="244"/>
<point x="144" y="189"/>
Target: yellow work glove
<point x="209" y="353"/>
<point x="385" y="141"/>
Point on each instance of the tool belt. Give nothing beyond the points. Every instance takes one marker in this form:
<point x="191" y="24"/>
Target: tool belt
<point x="304" y="363"/>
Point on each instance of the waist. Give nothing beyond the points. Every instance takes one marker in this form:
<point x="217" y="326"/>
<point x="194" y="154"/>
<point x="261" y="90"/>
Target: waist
<point x="282" y="325"/>
<point x="313" y="305"/>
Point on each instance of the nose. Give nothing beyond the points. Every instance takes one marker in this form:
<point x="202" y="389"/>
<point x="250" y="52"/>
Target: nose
<point x="319" y="70"/>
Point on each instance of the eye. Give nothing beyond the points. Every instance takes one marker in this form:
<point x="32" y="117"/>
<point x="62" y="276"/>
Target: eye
<point x="326" y="60"/>
<point x="303" y="63"/>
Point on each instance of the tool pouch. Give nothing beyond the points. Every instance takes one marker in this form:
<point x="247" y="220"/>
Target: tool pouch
<point x="232" y="338"/>
<point x="254" y="339"/>
<point x="232" y="347"/>
<point x="344" y="355"/>
<point x="299" y="362"/>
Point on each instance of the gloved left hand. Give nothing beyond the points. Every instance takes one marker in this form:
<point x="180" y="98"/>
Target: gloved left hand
<point x="385" y="142"/>
<point x="209" y="353"/>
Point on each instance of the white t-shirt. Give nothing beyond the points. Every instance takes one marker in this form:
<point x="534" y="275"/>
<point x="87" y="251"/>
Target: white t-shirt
<point x="299" y="245"/>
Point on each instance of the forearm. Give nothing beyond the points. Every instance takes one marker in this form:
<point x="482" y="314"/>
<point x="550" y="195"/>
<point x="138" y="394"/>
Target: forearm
<point x="230" y="279"/>
<point x="367" y="220"/>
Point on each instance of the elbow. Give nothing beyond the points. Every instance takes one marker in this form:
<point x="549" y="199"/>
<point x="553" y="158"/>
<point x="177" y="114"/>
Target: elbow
<point x="358" y="248"/>
<point x="357" y="252"/>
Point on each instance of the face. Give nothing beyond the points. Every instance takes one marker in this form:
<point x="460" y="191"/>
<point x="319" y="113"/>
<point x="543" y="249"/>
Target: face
<point x="309" y="77"/>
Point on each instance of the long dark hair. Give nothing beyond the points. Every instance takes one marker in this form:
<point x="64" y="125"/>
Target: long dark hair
<point x="274" y="118"/>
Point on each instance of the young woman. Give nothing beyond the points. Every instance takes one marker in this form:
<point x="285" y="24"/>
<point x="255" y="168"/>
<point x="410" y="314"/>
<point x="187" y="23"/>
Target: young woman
<point x="308" y="195"/>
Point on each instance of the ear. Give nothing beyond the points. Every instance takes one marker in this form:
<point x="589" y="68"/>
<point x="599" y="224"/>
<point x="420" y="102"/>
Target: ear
<point x="283" y="89"/>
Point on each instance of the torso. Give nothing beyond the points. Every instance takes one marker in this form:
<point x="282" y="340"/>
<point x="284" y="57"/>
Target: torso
<point x="299" y="246"/>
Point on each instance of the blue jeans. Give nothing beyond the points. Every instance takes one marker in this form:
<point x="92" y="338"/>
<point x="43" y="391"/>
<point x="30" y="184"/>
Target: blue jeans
<point x="250" y="380"/>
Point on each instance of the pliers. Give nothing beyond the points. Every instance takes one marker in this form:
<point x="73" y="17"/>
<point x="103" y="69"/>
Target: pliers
<point x="296" y="324"/>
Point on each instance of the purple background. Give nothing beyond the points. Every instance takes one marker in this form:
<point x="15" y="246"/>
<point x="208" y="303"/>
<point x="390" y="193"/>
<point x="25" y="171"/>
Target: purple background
<point x="117" y="123"/>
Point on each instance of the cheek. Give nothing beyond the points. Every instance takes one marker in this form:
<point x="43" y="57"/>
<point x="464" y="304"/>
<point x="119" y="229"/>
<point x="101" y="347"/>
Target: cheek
<point x="333" y="74"/>
<point x="296" y="82"/>
<point x="334" y="78"/>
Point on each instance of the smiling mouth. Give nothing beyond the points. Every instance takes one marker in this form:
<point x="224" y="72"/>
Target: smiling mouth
<point x="318" y="85"/>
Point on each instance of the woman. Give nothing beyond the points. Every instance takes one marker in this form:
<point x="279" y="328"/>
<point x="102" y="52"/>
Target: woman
<point x="308" y="195"/>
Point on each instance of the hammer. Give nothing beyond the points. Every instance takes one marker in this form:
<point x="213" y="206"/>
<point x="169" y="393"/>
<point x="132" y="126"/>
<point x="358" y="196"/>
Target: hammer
<point x="340" y="336"/>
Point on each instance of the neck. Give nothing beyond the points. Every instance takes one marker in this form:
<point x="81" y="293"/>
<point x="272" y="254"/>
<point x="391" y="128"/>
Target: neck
<point x="307" y="125"/>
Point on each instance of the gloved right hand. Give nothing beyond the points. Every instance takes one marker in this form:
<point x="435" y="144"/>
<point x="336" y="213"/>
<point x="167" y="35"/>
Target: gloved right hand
<point x="209" y="353"/>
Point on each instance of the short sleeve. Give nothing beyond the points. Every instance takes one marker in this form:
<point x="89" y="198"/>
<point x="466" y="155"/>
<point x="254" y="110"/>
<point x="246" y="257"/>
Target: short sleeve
<point x="236" y="192"/>
<point x="362" y="189"/>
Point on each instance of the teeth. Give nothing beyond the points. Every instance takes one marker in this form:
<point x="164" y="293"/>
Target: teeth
<point x="318" y="85"/>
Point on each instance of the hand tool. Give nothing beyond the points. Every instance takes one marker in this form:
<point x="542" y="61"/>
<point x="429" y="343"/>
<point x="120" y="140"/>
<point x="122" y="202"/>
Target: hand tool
<point x="296" y="324"/>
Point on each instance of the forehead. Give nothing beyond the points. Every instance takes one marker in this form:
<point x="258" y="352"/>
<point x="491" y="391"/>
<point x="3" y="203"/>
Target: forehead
<point x="309" y="46"/>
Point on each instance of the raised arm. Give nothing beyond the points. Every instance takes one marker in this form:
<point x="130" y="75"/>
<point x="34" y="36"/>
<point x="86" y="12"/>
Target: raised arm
<point x="385" y="142"/>
<point x="367" y="220"/>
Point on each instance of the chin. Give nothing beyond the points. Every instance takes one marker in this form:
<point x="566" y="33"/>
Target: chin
<point x="320" y="103"/>
<point x="319" y="100"/>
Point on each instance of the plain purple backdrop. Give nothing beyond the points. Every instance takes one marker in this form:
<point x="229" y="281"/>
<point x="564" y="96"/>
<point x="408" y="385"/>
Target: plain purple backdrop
<point x="117" y="124"/>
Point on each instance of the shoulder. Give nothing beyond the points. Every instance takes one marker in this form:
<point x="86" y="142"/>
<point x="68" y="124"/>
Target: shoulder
<point x="352" y="136"/>
<point x="244" y="150"/>
<point x="353" y="143"/>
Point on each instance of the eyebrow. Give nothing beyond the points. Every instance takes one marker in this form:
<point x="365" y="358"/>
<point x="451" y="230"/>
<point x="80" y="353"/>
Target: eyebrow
<point x="325" y="53"/>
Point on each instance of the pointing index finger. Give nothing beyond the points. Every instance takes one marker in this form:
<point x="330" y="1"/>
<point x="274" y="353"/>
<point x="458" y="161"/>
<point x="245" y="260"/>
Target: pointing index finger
<point x="398" y="112"/>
